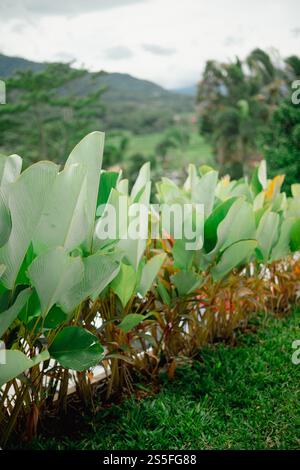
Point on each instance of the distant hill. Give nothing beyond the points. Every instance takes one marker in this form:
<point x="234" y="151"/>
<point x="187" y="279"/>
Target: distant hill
<point x="189" y="90"/>
<point x="131" y="103"/>
<point x="10" y="65"/>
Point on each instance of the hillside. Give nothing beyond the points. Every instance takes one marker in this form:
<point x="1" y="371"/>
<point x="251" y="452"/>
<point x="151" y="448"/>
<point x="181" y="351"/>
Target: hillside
<point x="188" y="90"/>
<point x="11" y="65"/>
<point x="130" y="103"/>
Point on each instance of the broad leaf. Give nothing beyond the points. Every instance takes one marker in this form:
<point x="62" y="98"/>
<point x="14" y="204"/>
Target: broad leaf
<point x="282" y="247"/>
<point x="238" y="224"/>
<point x="267" y="234"/>
<point x="212" y="223"/>
<point x="232" y="257"/>
<point x="10" y="169"/>
<point x="89" y="153"/>
<point x="130" y="321"/>
<point x="7" y="317"/>
<point x="259" y="178"/>
<point x="27" y="198"/>
<point x="204" y="191"/>
<point x="142" y="179"/>
<point x="295" y="190"/>
<point x="295" y="236"/>
<point x="134" y="246"/>
<point x="16" y="363"/>
<point x="76" y="348"/>
<point x="186" y="282"/>
<point x="183" y="258"/>
<point x="98" y="271"/>
<point x="64" y="219"/>
<point x="107" y="183"/>
<point x="2" y="269"/>
<point x="149" y="273"/>
<point x="124" y="284"/>
<point x="53" y="274"/>
<point x="5" y="220"/>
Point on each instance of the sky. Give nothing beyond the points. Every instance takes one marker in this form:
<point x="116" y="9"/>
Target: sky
<point x="165" y="41"/>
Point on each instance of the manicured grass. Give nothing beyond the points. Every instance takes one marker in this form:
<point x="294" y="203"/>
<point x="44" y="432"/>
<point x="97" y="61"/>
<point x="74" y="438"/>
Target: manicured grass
<point x="242" y="397"/>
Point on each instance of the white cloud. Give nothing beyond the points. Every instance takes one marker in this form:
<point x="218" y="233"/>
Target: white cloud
<point x="118" y="53"/>
<point x="158" y="50"/>
<point x="185" y="33"/>
<point x="40" y="8"/>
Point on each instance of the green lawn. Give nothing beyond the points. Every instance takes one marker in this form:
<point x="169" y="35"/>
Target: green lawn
<point x="242" y="397"/>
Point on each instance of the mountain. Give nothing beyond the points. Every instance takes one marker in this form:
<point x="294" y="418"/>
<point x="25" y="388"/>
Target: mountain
<point x="188" y="90"/>
<point x="11" y="65"/>
<point x="130" y="103"/>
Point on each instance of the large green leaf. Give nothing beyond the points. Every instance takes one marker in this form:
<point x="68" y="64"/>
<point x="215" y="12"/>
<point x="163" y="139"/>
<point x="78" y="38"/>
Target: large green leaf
<point x="149" y="273"/>
<point x="192" y="178"/>
<point x="64" y="219"/>
<point x="31" y="310"/>
<point x="124" y="284"/>
<point x="259" y="178"/>
<point x="186" y="282"/>
<point x="122" y="186"/>
<point x="204" y="191"/>
<point x="240" y="227"/>
<point x="130" y="321"/>
<point x="241" y="189"/>
<point x="238" y="224"/>
<point x="134" y="246"/>
<point x="16" y="363"/>
<point x="107" y="183"/>
<point x="224" y="189"/>
<point x="5" y="220"/>
<point x="267" y="234"/>
<point x="27" y="198"/>
<point x="112" y="225"/>
<point x="76" y="348"/>
<point x="295" y="188"/>
<point x="164" y="294"/>
<point x="7" y="317"/>
<point x="212" y="223"/>
<point x="183" y="258"/>
<point x="142" y="179"/>
<point x="54" y="273"/>
<point x="2" y="269"/>
<point x="89" y="153"/>
<point x="232" y="257"/>
<point x="99" y="270"/>
<point x="169" y="193"/>
<point x="22" y="278"/>
<point x="282" y="247"/>
<point x="10" y="169"/>
<point x="295" y="236"/>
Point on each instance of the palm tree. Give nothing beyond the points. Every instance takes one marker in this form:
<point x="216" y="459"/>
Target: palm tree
<point x="235" y="102"/>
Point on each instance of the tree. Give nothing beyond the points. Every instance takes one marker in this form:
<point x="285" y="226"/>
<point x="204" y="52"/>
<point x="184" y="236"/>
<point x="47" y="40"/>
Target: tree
<point x="44" y="117"/>
<point x="281" y="143"/>
<point x="236" y="101"/>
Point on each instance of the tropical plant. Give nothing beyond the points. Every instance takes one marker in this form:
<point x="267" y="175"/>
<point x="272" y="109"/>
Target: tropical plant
<point x="50" y="275"/>
<point x="78" y="290"/>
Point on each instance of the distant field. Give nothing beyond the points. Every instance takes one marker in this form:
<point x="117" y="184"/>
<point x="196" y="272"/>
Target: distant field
<point x="197" y="151"/>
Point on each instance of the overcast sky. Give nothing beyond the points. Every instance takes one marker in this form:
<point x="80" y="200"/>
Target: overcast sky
<point x="166" y="41"/>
